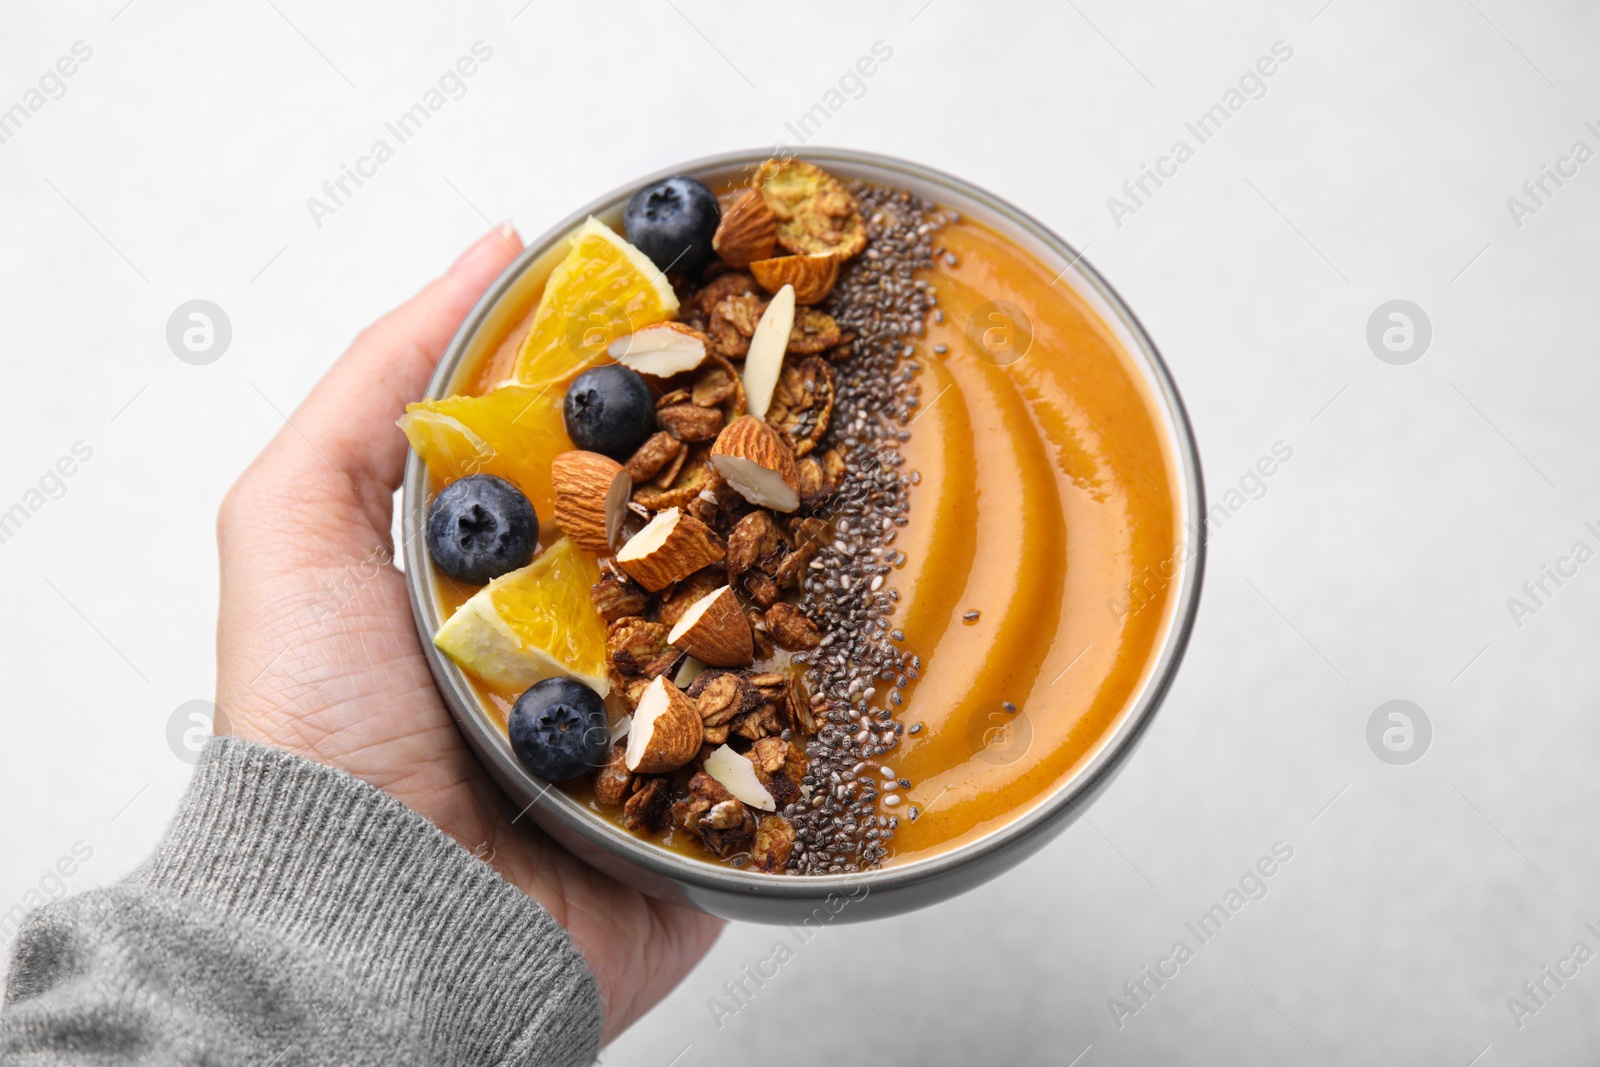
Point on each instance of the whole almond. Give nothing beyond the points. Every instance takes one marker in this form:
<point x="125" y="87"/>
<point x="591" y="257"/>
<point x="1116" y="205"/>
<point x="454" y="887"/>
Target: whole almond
<point x="714" y="630"/>
<point x="748" y="231"/>
<point x="591" y="496"/>
<point x="666" y="731"/>
<point x="753" y="459"/>
<point x="813" y="277"/>
<point x="671" y="546"/>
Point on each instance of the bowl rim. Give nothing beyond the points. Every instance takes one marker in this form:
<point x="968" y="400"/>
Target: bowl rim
<point x="1113" y="747"/>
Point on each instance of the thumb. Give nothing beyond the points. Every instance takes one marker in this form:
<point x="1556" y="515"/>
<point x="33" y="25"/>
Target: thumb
<point x="349" y="418"/>
<point x="339" y="457"/>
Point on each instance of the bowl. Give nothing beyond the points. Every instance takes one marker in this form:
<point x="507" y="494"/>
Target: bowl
<point x="748" y="895"/>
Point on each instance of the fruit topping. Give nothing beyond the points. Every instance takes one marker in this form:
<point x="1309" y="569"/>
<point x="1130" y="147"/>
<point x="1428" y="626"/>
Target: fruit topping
<point x="604" y="289"/>
<point x="592" y="494"/>
<point x="662" y="350"/>
<point x="714" y="630"/>
<point x="812" y="276"/>
<point x="511" y="432"/>
<point x="609" y="410"/>
<point x="816" y="213"/>
<point x="673" y="222"/>
<point x="480" y="528"/>
<point x="666" y="730"/>
<point x="532" y="623"/>
<point x="558" y="729"/>
<point x="768" y="342"/>
<point x="748" y="232"/>
<point x="753" y="459"/>
<point x="671" y="546"/>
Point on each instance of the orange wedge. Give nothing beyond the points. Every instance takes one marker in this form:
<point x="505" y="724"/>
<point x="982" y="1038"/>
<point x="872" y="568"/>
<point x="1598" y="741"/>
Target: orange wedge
<point x="604" y="289"/>
<point x="533" y="623"/>
<point x="512" y="432"/>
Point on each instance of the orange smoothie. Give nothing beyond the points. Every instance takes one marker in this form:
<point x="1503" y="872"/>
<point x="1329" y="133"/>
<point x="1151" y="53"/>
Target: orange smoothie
<point x="1039" y="490"/>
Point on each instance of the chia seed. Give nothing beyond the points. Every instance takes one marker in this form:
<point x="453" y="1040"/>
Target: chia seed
<point x="881" y="300"/>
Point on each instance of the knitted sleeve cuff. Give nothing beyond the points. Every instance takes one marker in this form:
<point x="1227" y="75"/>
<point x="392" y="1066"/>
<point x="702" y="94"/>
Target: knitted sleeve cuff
<point x="319" y="857"/>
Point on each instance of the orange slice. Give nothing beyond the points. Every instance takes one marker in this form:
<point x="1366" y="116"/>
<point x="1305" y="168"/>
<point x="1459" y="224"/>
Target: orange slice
<point x="533" y="623"/>
<point x="603" y="290"/>
<point x="512" y="432"/>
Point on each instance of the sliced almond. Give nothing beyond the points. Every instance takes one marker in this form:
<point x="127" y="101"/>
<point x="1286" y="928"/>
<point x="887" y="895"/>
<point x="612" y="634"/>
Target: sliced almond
<point x="672" y="545"/>
<point x="662" y="350"/>
<point x="764" y="361"/>
<point x="714" y="630"/>
<point x="688" y="672"/>
<point x="812" y="276"/>
<point x="748" y="231"/>
<point x="753" y="459"/>
<point x="592" y="494"/>
<point x="666" y="731"/>
<point x="738" y="776"/>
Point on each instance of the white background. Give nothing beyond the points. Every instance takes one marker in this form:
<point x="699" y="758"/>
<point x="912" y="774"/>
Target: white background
<point x="1376" y="566"/>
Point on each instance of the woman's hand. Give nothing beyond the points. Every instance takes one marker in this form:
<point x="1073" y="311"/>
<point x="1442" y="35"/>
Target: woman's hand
<point x="317" y="652"/>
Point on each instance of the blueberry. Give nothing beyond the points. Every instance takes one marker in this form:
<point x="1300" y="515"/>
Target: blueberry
<point x="559" y="729"/>
<point x="609" y="410"/>
<point x="672" y="222"/>
<point x="480" y="527"/>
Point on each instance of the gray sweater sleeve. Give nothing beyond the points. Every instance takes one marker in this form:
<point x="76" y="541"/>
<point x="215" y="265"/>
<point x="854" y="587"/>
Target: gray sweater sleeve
<point x="295" y="915"/>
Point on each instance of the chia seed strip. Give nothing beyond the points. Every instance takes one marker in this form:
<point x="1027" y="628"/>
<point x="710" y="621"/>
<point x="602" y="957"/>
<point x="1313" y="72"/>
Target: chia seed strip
<point x="879" y="298"/>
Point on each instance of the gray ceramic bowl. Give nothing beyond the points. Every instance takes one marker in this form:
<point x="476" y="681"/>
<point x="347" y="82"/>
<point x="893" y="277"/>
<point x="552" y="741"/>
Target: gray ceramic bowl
<point x="744" y="894"/>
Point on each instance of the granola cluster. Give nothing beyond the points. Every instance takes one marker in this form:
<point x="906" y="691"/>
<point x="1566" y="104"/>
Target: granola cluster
<point x="744" y="510"/>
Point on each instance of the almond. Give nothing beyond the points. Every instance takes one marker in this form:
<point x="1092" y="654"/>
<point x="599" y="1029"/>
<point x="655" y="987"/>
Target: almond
<point x="764" y="361"/>
<point x="672" y="545"/>
<point x="715" y="631"/>
<point x="592" y="494"/>
<point x="688" y="672"/>
<point x="753" y="459"/>
<point x="748" y="231"/>
<point x="662" y="350"/>
<point x="666" y="730"/>
<point x="811" y="276"/>
<point x="738" y="776"/>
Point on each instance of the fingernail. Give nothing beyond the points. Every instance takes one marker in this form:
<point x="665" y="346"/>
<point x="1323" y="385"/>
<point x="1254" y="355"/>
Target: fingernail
<point x="505" y="232"/>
